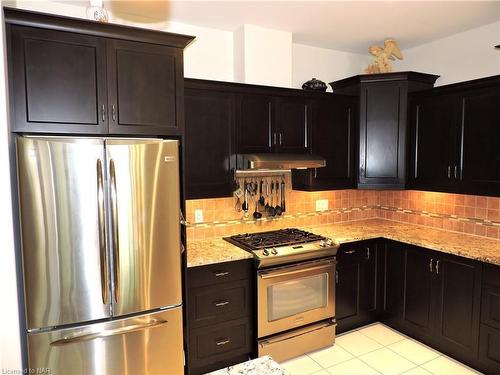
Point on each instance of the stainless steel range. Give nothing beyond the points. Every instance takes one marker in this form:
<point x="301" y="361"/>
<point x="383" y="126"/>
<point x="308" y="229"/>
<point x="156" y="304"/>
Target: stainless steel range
<point x="295" y="290"/>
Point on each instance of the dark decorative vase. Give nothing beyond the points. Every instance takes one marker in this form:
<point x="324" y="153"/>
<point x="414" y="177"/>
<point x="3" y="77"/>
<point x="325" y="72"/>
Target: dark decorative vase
<point x="314" y="85"/>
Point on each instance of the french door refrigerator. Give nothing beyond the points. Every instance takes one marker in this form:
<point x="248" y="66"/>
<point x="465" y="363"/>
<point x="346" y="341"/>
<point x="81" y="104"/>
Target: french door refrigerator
<point x="101" y="247"/>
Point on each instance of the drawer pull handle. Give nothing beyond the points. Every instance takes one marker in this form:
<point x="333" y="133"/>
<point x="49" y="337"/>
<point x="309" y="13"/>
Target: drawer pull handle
<point x="222" y="303"/>
<point x="220" y="274"/>
<point x="222" y="342"/>
<point x="349" y="251"/>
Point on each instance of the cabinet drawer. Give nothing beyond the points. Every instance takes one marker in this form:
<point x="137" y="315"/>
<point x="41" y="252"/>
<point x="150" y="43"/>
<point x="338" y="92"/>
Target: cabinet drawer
<point x="219" y="273"/>
<point x="219" y="342"/>
<point x="354" y="252"/>
<point x="214" y="304"/>
<point x="489" y="350"/>
<point x="490" y="307"/>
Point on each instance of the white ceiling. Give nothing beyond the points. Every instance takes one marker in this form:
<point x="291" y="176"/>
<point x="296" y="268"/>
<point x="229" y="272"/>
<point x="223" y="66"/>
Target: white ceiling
<point x="343" y="25"/>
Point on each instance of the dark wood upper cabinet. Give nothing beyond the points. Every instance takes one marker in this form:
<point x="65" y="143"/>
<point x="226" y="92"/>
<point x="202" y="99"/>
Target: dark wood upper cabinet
<point x="254" y="125"/>
<point x="145" y="88"/>
<point x="433" y="146"/>
<point x="332" y="125"/>
<point x="209" y="150"/>
<point x="383" y="105"/>
<point x="76" y="76"/>
<point x="58" y="81"/>
<point x="479" y="161"/>
<point x="291" y="125"/>
<point x="455" y="138"/>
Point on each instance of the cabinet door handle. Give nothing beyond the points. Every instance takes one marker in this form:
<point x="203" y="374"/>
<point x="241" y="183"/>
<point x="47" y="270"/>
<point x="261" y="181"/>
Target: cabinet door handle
<point x="455" y="171"/>
<point x="430" y="265"/>
<point x="367" y="253"/>
<point x="315" y="172"/>
<point x="103" y="113"/>
<point x="222" y="303"/>
<point x="281" y="139"/>
<point x="223" y="342"/>
<point x="113" y="112"/>
<point x="349" y="251"/>
<point x="437" y="267"/>
<point x="336" y="277"/>
<point x="449" y="171"/>
<point x="220" y="274"/>
<point x="274" y="138"/>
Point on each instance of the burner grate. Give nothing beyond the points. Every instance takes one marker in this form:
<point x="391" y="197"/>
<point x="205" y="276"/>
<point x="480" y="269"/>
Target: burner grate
<point x="282" y="237"/>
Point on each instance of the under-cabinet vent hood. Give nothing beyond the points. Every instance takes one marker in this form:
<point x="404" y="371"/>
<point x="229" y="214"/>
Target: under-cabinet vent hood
<point x="279" y="161"/>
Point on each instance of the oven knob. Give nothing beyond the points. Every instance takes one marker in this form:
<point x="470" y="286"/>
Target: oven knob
<point x="274" y="251"/>
<point x="329" y="242"/>
<point x="265" y="252"/>
<point x="322" y="243"/>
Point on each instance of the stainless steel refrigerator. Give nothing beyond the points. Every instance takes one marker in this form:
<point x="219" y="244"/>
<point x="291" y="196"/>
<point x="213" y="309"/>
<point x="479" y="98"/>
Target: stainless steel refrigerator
<point x="101" y="249"/>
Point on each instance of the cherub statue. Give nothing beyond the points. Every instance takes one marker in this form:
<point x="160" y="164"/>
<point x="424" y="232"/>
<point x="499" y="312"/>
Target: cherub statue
<point x="381" y="62"/>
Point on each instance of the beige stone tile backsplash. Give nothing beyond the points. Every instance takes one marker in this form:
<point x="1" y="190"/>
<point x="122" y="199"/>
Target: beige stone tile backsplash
<point x="470" y="214"/>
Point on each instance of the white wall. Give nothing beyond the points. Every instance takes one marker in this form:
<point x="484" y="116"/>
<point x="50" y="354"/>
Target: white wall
<point x="324" y="64"/>
<point x="460" y="57"/>
<point x="10" y="345"/>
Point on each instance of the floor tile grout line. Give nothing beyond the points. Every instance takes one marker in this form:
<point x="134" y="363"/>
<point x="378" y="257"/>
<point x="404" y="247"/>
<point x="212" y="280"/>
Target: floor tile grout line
<point x="361" y="359"/>
<point x="387" y="347"/>
<point x="378" y="342"/>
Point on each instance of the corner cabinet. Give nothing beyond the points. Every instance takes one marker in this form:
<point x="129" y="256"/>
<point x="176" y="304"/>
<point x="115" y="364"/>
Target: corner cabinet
<point x="455" y="138"/>
<point x="75" y="76"/>
<point x="383" y="101"/>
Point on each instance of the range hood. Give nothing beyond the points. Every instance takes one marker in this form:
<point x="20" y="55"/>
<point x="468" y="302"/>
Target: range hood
<point x="279" y="161"/>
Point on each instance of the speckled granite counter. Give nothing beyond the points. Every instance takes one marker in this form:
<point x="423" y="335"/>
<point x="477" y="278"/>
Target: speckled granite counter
<point x="217" y="250"/>
<point x="259" y="366"/>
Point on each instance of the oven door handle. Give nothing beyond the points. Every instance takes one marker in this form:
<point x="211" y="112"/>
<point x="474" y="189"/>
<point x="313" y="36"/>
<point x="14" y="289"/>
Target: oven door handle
<point x="292" y="272"/>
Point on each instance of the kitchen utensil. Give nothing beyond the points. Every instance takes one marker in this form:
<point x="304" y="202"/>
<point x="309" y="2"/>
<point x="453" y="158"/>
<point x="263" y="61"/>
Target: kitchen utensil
<point x="267" y="197"/>
<point x="262" y="200"/>
<point x="272" y="210"/>
<point x="256" y="213"/>
<point x="238" y="193"/>
<point x="283" y="190"/>
<point x="278" y="208"/>
<point x="245" y="197"/>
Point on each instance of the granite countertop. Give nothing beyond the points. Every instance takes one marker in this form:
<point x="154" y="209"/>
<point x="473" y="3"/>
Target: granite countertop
<point x="201" y="252"/>
<point x="259" y="366"/>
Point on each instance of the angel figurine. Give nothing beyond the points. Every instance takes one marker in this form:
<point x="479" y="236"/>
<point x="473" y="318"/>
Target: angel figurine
<point x="381" y="62"/>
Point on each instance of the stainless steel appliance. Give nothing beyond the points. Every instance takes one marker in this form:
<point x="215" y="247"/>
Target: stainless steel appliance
<point x="101" y="254"/>
<point x="279" y="161"/>
<point x="295" y="290"/>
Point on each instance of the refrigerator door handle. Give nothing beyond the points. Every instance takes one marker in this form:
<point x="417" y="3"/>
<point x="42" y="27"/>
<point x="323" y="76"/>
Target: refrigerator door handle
<point x="102" y="235"/>
<point x="114" y="225"/>
<point x="108" y="332"/>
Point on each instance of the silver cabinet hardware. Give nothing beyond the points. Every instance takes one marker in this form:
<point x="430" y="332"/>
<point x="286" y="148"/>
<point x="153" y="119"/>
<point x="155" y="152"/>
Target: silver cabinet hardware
<point x="336" y="277"/>
<point x="349" y="251"/>
<point x="103" y="113"/>
<point x="222" y="303"/>
<point x="274" y="138"/>
<point x="367" y="253"/>
<point x="113" y="112"/>
<point x="455" y="171"/>
<point x="437" y="267"/>
<point x="220" y="274"/>
<point x="430" y="265"/>
<point x="223" y="342"/>
<point x="449" y="171"/>
<point x="315" y="172"/>
<point x="281" y="139"/>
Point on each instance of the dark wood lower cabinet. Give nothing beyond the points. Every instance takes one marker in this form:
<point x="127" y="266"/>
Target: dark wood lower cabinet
<point x="219" y="315"/>
<point x="356" y="285"/>
<point x="489" y="350"/>
<point x="392" y="282"/>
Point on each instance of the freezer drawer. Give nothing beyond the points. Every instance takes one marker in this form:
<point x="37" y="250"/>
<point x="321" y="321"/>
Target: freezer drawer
<point x="145" y="345"/>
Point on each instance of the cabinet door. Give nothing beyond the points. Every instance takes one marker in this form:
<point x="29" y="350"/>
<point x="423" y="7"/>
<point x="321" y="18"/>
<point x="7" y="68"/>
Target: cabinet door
<point x="489" y="350"/>
<point x="209" y="143"/>
<point x="419" y="277"/>
<point x="254" y="124"/>
<point x="392" y="281"/>
<point x="291" y="128"/>
<point x="459" y="300"/>
<point x="347" y="292"/>
<point x="479" y="162"/>
<point x="382" y="140"/>
<point x="145" y="88"/>
<point x="58" y="82"/>
<point x="434" y="120"/>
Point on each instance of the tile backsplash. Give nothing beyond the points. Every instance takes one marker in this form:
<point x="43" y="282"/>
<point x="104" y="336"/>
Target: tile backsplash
<point x="471" y="214"/>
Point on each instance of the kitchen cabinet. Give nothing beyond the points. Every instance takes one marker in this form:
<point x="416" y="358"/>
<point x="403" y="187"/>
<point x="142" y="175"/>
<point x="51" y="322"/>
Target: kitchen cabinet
<point x="455" y="138"/>
<point x="356" y="297"/>
<point x="75" y="76"/>
<point x="219" y="314"/>
<point x="209" y="145"/>
<point x="333" y="131"/>
<point x="442" y="301"/>
<point x="272" y="123"/>
<point x="382" y="138"/>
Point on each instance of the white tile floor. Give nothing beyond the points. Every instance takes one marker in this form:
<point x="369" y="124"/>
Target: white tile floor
<point x="376" y="349"/>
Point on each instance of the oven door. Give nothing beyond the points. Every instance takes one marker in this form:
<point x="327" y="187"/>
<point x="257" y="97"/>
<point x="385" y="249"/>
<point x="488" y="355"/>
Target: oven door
<point x="296" y="295"/>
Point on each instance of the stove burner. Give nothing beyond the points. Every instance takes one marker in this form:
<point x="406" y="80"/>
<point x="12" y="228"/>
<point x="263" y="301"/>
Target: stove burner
<point x="282" y="237"/>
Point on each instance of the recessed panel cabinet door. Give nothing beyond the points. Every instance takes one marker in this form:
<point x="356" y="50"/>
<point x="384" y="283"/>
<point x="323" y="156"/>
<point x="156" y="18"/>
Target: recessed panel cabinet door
<point x="480" y="158"/>
<point x="292" y="117"/>
<point x="209" y="143"/>
<point x="58" y="81"/>
<point x="145" y="87"/>
<point x="255" y="133"/>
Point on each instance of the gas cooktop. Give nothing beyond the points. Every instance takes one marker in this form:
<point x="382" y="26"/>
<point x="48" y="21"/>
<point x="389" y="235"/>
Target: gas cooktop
<point x="284" y="246"/>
